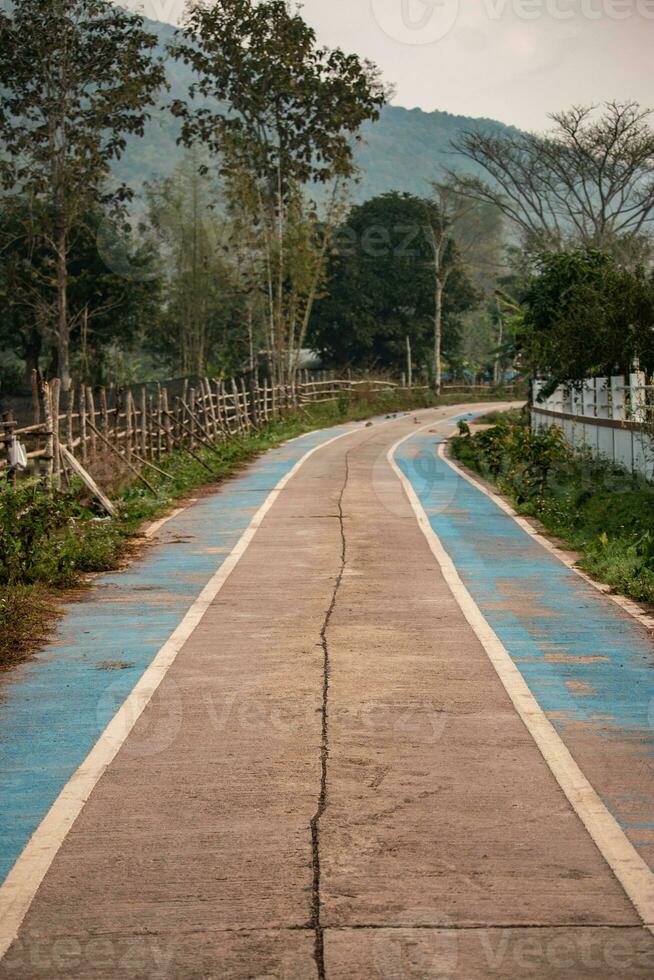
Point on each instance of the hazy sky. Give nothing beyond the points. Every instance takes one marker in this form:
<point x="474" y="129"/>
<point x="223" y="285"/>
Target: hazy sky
<point x="514" y="60"/>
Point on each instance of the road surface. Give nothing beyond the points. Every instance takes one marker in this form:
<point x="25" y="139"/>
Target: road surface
<point x="354" y="758"/>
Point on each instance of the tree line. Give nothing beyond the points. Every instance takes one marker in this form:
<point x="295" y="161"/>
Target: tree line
<point x="250" y="251"/>
<point x="270" y="115"/>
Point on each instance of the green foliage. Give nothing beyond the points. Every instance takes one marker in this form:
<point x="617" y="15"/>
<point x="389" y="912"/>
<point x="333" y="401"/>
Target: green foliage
<point x="293" y="106"/>
<point x="601" y="510"/>
<point x="587" y="316"/>
<point x="77" y="76"/>
<point x="381" y="288"/>
<point x="114" y="291"/>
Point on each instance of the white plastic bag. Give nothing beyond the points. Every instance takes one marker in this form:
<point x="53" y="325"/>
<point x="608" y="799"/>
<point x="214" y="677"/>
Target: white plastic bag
<point x="17" y="456"/>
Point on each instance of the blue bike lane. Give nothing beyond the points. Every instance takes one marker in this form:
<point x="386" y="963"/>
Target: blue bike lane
<point x="54" y="706"/>
<point x="588" y="662"/>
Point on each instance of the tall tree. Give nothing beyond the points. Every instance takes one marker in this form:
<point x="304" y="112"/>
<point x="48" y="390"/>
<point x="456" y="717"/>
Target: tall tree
<point x="203" y="281"/>
<point x="462" y="235"/>
<point x="76" y="77"/>
<point x="380" y="288"/>
<point x="279" y="112"/>
<point x="113" y="289"/>
<point x="589" y="180"/>
<point x="583" y="315"/>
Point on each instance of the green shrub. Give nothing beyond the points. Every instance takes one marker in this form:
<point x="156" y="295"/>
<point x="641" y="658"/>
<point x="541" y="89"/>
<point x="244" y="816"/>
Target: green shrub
<point x="600" y="509"/>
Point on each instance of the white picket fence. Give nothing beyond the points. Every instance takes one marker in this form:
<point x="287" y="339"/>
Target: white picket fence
<point x="613" y="417"/>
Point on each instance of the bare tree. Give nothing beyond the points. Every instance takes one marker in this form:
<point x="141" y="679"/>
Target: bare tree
<point x="464" y="236"/>
<point x="589" y="180"/>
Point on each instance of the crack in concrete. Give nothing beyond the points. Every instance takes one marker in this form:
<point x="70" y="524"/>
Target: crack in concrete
<point x="316" y="923"/>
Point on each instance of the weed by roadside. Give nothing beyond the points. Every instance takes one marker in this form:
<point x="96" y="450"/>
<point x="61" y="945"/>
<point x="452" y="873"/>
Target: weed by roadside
<point x="599" y="509"/>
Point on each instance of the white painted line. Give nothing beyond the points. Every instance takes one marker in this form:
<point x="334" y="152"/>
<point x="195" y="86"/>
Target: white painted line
<point x="627" y="604"/>
<point x="151" y="529"/>
<point x="624" y="860"/>
<point x="19" y="888"/>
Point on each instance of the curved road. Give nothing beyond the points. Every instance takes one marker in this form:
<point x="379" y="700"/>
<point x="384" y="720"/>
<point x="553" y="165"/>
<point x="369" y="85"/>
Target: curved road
<point x="329" y="777"/>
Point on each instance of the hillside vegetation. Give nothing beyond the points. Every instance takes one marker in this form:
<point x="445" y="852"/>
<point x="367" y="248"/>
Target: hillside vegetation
<point x="403" y="151"/>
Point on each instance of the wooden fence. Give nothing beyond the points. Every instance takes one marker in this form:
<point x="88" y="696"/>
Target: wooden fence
<point x="102" y="434"/>
<point x="77" y="430"/>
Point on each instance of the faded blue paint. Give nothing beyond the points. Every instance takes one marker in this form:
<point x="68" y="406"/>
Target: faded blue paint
<point x="551" y="622"/>
<point x="54" y="707"/>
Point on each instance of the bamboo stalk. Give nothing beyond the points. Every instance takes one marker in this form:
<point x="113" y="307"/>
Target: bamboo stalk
<point x="191" y="410"/>
<point x="49" y="445"/>
<point x="167" y="421"/>
<point x="35" y="396"/>
<point x="56" y="394"/>
<point x="197" y="458"/>
<point x="128" y="423"/>
<point x="207" y="441"/>
<point x="82" y="425"/>
<point x="104" y="414"/>
<point x="126" y="461"/>
<point x="91" y="404"/>
<point x="144" y="427"/>
<point x="69" y="416"/>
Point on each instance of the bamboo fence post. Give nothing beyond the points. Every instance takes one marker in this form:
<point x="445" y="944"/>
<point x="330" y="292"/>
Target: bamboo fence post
<point x="94" y="441"/>
<point x="9" y="440"/>
<point x="167" y="421"/>
<point x="35" y="396"/>
<point x="202" y="406"/>
<point x="70" y="408"/>
<point x="143" y="421"/>
<point x="219" y="410"/>
<point x="130" y="466"/>
<point x="273" y="398"/>
<point x="117" y="407"/>
<point x="49" y="430"/>
<point x="247" y="418"/>
<point x="128" y="423"/>
<point x="81" y="409"/>
<point x="197" y="458"/>
<point x="214" y="410"/>
<point x="151" y="426"/>
<point x="203" y="414"/>
<point x="182" y="410"/>
<point x="237" y="406"/>
<point x="256" y="395"/>
<point x="266" y="417"/>
<point x="191" y="404"/>
<point x="104" y="414"/>
<point x="55" y="395"/>
<point x="250" y="393"/>
<point x="160" y="430"/>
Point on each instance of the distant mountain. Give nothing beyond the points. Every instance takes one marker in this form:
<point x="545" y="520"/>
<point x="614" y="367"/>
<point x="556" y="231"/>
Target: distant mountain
<point x="403" y="151"/>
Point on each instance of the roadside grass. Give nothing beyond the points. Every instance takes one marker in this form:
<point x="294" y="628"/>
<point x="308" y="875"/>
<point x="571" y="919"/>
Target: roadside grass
<point x="49" y="541"/>
<point x="597" y="508"/>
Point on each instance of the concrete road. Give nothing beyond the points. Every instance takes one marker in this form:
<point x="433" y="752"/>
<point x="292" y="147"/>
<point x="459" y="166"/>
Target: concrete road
<point x="330" y="780"/>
